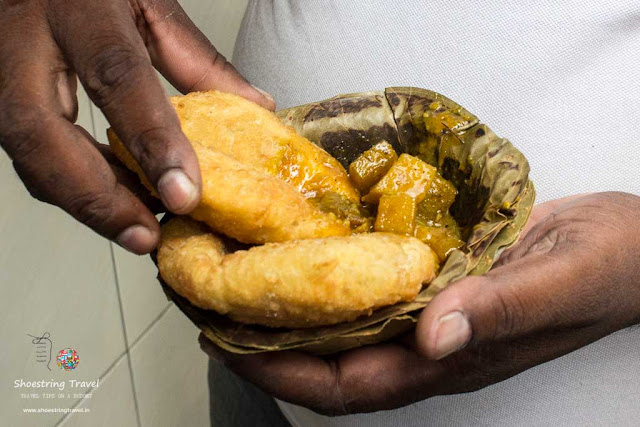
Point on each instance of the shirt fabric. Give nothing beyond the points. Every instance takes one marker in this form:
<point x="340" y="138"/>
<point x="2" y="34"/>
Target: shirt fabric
<point x="559" y="79"/>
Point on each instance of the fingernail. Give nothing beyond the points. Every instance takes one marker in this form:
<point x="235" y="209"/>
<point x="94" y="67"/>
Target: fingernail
<point x="137" y="239"/>
<point x="264" y="93"/>
<point x="452" y="334"/>
<point x="177" y="191"/>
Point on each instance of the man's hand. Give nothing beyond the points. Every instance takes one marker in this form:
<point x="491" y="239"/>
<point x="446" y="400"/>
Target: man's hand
<point x="113" y="47"/>
<point x="573" y="278"/>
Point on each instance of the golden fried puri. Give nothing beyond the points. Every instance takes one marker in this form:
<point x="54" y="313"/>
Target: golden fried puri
<point x="294" y="284"/>
<point x="256" y="137"/>
<point x="251" y="206"/>
<point x="262" y="182"/>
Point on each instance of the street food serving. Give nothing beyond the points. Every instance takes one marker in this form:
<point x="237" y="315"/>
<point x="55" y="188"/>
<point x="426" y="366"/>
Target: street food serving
<point x="350" y="237"/>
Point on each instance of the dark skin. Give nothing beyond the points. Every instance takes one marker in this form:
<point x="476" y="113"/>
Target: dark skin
<point x="573" y="278"/>
<point x="114" y="48"/>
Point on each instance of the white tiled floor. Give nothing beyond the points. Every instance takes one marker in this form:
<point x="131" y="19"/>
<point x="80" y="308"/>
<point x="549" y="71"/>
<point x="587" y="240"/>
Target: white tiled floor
<point x="59" y="277"/>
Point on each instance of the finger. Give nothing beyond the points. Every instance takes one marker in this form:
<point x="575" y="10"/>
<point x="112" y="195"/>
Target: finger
<point x="209" y="348"/>
<point x="540" y="213"/>
<point x="544" y="209"/>
<point x="126" y="178"/>
<point x="476" y="367"/>
<point x="49" y="80"/>
<point x="112" y="63"/>
<point x="540" y="290"/>
<point x="59" y="165"/>
<point x="287" y="375"/>
<point x="387" y="376"/>
<point x="56" y="161"/>
<point x="187" y="58"/>
<point x="377" y="377"/>
<point x="557" y="278"/>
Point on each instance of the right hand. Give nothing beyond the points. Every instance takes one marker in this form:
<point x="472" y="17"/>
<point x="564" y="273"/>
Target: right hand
<point x="113" y="47"/>
<point x="571" y="280"/>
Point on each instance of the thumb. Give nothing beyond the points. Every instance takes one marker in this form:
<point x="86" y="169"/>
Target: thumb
<point x="507" y="303"/>
<point x="184" y="55"/>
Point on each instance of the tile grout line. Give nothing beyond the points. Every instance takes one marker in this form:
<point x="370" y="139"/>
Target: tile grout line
<point x="123" y="354"/>
<point x="164" y="310"/>
<point x="110" y="367"/>
<point x="117" y="281"/>
<point x="128" y="348"/>
<point x="151" y="324"/>
<point x="124" y="332"/>
<point x="90" y="390"/>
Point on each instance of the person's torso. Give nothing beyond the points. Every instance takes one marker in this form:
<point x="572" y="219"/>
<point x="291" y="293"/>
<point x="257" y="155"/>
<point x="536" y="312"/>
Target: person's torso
<point x="561" y="80"/>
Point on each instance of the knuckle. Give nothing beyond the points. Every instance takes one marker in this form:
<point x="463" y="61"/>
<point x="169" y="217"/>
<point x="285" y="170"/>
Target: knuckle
<point x="218" y="64"/>
<point x="19" y="125"/>
<point x="93" y="209"/>
<point x="338" y="406"/>
<point x="154" y="149"/>
<point x="328" y="400"/>
<point x="553" y="233"/>
<point x="148" y="143"/>
<point x="114" y="68"/>
<point x="36" y="189"/>
<point x="589" y="298"/>
<point x="508" y="313"/>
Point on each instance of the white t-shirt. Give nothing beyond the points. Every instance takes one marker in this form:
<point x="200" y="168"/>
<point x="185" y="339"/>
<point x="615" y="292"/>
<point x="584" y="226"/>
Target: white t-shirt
<point x="560" y="79"/>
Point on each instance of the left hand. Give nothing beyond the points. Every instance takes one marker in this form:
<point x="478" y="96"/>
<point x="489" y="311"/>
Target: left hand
<point x="571" y="280"/>
<point x="114" y="48"/>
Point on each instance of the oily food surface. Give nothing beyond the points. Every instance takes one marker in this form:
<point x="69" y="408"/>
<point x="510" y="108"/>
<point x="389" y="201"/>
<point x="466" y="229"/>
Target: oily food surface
<point x="409" y="195"/>
<point x="269" y="187"/>
<point x="493" y="202"/>
<point x="256" y="137"/>
<point x="263" y="183"/>
<point x="295" y="284"/>
<point x="488" y="172"/>
<point x="495" y="197"/>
